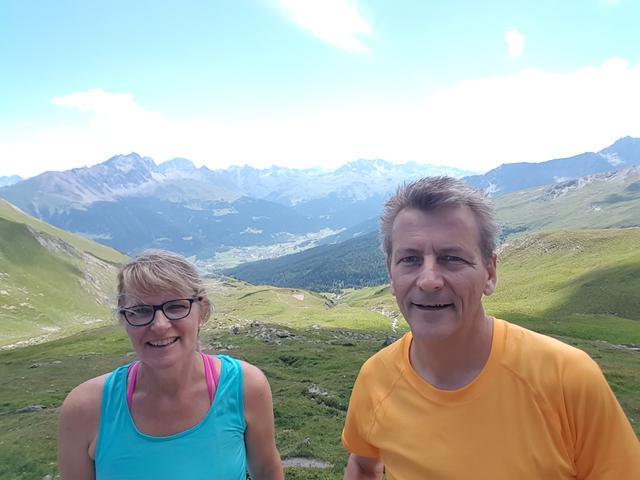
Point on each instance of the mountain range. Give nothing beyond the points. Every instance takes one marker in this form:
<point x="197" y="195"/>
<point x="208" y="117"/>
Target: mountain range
<point x="511" y="177"/>
<point x="10" y="180"/>
<point x="241" y="213"/>
<point x="130" y="203"/>
<point x="603" y="201"/>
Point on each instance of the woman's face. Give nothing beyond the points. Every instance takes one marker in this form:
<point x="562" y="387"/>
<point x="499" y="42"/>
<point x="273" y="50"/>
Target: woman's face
<point x="164" y="343"/>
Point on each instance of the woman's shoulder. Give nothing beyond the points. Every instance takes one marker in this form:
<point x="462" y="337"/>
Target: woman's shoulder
<point x="80" y="417"/>
<point x="253" y="378"/>
<point x="250" y="373"/>
<point x="85" y="399"/>
<point x="256" y="393"/>
<point x="254" y="381"/>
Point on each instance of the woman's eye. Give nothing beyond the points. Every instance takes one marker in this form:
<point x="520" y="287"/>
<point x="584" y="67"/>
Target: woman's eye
<point x="140" y="311"/>
<point x="175" y="308"/>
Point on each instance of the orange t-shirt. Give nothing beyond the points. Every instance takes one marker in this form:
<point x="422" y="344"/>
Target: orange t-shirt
<point x="539" y="409"/>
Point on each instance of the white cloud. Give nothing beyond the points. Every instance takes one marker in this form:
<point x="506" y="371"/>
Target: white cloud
<point x="336" y="22"/>
<point x="111" y="110"/>
<point x="532" y="115"/>
<point x="515" y="43"/>
<point x="477" y="124"/>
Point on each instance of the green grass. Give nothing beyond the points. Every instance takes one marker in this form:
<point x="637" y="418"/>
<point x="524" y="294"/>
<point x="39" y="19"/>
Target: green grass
<point x="580" y="283"/>
<point x="52" y="282"/>
<point x="578" y="286"/>
<point x="239" y="302"/>
<point x="44" y="291"/>
<point x="306" y="426"/>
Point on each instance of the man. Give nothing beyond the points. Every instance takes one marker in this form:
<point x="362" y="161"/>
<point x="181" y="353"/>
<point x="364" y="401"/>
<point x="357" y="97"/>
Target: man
<point x="464" y="395"/>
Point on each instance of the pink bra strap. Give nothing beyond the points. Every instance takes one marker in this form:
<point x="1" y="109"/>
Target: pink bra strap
<point x="209" y="372"/>
<point x="133" y="371"/>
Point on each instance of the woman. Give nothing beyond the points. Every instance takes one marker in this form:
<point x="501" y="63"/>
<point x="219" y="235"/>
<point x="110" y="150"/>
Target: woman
<point x="176" y="413"/>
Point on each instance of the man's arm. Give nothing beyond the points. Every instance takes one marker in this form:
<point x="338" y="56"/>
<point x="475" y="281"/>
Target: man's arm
<point x="363" y="468"/>
<point x="606" y="448"/>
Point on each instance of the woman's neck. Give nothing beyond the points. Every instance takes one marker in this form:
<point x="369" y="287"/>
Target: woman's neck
<point x="170" y="381"/>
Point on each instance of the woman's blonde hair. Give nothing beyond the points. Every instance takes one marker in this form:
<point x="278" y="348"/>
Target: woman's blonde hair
<point x="158" y="271"/>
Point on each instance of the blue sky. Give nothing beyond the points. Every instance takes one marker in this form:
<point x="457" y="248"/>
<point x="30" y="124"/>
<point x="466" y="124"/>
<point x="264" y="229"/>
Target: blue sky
<point x="304" y="83"/>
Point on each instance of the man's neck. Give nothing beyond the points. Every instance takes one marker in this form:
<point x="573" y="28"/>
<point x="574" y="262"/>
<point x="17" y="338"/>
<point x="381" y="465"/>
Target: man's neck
<point x="455" y="362"/>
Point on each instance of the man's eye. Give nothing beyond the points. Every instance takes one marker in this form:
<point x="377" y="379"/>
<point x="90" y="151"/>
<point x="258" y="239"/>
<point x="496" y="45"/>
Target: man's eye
<point x="409" y="259"/>
<point x="453" y="259"/>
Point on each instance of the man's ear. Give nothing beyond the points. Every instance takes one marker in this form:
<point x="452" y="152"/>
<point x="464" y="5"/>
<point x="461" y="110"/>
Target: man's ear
<point x="492" y="278"/>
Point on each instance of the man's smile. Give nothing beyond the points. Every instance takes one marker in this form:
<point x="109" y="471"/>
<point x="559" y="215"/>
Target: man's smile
<point x="432" y="306"/>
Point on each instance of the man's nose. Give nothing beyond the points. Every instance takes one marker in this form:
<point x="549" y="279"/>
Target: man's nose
<point x="429" y="277"/>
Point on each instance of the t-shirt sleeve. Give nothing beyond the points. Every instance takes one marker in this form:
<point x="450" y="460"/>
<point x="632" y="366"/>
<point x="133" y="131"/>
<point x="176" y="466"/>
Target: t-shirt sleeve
<point x="360" y="417"/>
<point x="605" y="446"/>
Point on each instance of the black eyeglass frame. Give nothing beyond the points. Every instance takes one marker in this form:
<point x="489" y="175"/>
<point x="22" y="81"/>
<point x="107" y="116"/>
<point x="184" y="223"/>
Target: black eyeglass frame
<point x="124" y="310"/>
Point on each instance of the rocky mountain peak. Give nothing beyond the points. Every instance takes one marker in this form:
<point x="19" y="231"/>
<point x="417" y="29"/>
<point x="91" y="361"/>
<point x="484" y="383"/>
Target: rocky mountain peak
<point x="627" y="148"/>
<point x="132" y="161"/>
<point x="177" y="164"/>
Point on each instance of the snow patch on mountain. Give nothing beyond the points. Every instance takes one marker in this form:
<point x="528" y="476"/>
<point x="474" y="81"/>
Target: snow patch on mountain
<point x="612" y="158"/>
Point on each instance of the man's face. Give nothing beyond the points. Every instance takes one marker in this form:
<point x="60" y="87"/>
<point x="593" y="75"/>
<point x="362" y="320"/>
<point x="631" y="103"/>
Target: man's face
<point x="437" y="272"/>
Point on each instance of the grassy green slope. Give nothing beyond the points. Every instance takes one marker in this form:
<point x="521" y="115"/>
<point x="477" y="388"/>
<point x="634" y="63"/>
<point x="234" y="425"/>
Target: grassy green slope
<point x="238" y="302"/>
<point x="579" y="286"/>
<point x="9" y="212"/>
<point x="578" y="283"/>
<point x="47" y="287"/>
<point x="603" y="201"/>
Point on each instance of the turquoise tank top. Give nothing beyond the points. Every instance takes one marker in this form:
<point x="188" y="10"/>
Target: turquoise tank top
<point x="212" y="449"/>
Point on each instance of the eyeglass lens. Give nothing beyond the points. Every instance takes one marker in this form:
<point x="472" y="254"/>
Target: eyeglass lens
<point x="173" y="310"/>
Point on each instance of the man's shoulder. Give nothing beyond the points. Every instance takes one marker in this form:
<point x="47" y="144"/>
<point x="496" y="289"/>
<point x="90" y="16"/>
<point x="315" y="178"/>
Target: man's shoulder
<point x="520" y="337"/>
<point x="389" y="357"/>
<point x="383" y="369"/>
<point x="530" y="353"/>
<point x="380" y="376"/>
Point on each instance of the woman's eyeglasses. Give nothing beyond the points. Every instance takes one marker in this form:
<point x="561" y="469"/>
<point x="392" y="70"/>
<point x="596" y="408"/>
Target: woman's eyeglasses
<point x="141" y="315"/>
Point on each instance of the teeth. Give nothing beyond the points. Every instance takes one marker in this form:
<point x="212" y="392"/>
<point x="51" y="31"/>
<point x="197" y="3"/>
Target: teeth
<point x="163" y="342"/>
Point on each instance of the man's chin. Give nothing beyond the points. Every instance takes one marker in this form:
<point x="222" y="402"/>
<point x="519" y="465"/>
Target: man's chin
<point x="431" y="331"/>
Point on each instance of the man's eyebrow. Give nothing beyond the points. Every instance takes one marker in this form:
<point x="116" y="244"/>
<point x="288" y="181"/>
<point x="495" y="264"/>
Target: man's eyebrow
<point x="453" y="250"/>
<point x="405" y="251"/>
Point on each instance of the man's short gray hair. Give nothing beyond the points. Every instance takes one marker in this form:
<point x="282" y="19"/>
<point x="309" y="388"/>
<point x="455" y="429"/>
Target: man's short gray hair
<point x="433" y="193"/>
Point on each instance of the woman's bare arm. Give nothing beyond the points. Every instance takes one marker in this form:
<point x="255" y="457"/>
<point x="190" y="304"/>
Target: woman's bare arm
<point x="262" y="455"/>
<point x="78" y="429"/>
